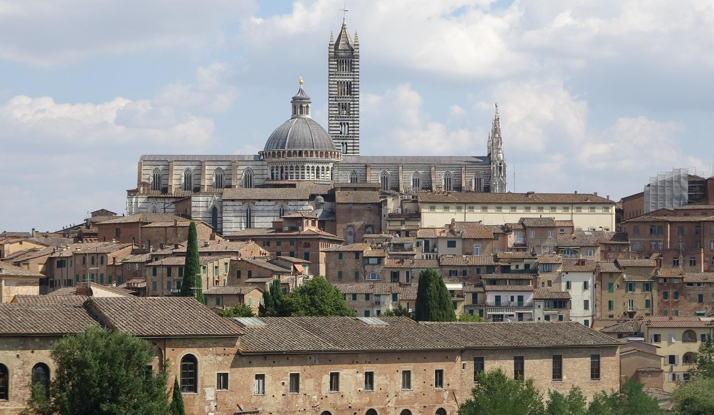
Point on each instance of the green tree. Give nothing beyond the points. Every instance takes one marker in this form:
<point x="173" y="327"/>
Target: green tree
<point x="238" y="310"/>
<point x="317" y="298"/>
<point x="497" y="394"/>
<point x="433" y="301"/>
<point x="104" y="372"/>
<point x="573" y="403"/>
<point x="273" y="304"/>
<point x="177" y="407"/>
<point x="631" y="399"/>
<point x="705" y="358"/>
<point x="192" y="285"/>
<point x="470" y="318"/>
<point x="695" y="397"/>
<point x="400" y="311"/>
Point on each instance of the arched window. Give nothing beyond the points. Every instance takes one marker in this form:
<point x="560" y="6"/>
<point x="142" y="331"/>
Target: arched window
<point x="154" y="209"/>
<point x="384" y="180"/>
<point x="218" y="179"/>
<point x="689" y="358"/>
<point x="187" y="180"/>
<point x="689" y="336"/>
<point x="249" y="217"/>
<point x="354" y="178"/>
<point x="326" y="413"/>
<point x="447" y="181"/>
<point x="41" y="375"/>
<point x="368" y="229"/>
<point x="405" y="412"/>
<point x="350" y="235"/>
<point x="416" y="181"/>
<point x="156" y="180"/>
<point x="370" y="412"/>
<point x="248" y="178"/>
<point x="441" y="411"/>
<point x="214" y="219"/>
<point x="189" y="374"/>
<point x="478" y="184"/>
<point x="281" y="211"/>
<point x="344" y="148"/>
<point x="4" y="383"/>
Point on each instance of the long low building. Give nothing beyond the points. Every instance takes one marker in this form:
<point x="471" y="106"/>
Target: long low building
<point x="321" y="365"/>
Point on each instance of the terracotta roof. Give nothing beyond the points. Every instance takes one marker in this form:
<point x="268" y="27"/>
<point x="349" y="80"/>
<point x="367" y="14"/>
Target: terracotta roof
<point x="358" y="247"/>
<point x="474" y="289"/>
<point x="466" y="260"/>
<point x="8" y="270"/>
<point x="381" y="288"/>
<point x="313" y="334"/>
<point x="515" y="255"/>
<point x="217" y="246"/>
<point x="43" y="319"/>
<point x="649" y="369"/>
<point x="275" y="233"/>
<point x="91" y="248"/>
<point x="637" y="263"/>
<point x="670" y="272"/>
<point x="259" y="280"/>
<point x="230" y="290"/>
<point x="654" y="219"/>
<point x="608" y="267"/>
<point x="263" y="263"/>
<point x="550" y="259"/>
<point x="520" y="198"/>
<point x="545" y="294"/>
<point x="162" y="317"/>
<point x="403" y="240"/>
<point x="620" y="238"/>
<point x="508" y="288"/>
<point x="564" y="223"/>
<point x="473" y="230"/>
<point x="507" y="276"/>
<point x="411" y="263"/>
<point x="578" y="239"/>
<point x="144" y="218"/>
<point x="579" y="265"/>
<point x="538" y="222"/>
<point x="63" y="291"/>
<point x="624" y="327"/>
<point x="360" y="196"/>
<point x="677" y="322"/>
<point x="696" y="206"/>
<point x="181" y="260"/>
<point x="428" y="232"/>
<point x="51" y="299"/>
<point x="699" y="277"/>
<point x="372" y="253"/>
<point x="168" y="224"/>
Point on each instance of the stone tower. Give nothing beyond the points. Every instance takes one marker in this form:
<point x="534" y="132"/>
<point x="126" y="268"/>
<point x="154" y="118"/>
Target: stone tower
<point x="343" y="91"/>
<point x="495" y="155"/>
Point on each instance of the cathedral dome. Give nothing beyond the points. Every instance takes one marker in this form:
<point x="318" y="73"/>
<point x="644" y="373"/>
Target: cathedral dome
<point x="300" y="132"/>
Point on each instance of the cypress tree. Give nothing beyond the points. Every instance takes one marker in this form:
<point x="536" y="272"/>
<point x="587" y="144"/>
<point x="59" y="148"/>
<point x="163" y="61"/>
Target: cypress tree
<point x="433" y="301"/>
<point x="192" y="285"/>
<point x="177" y="407"/>
<point x="272" y="301"/>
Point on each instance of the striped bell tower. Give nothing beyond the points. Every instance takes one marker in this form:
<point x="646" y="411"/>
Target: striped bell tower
<point x="343" y="91"/>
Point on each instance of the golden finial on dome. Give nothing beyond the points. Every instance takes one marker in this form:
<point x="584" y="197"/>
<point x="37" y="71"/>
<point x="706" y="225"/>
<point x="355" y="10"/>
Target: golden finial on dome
<point x="301" y="81"/>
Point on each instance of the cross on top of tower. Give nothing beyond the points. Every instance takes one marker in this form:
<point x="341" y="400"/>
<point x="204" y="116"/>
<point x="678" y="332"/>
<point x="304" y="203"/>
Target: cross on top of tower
<point x="344" y="12"/>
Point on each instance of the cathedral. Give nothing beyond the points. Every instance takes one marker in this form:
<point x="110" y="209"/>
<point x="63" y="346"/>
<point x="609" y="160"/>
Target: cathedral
<point x="301" y="162"/>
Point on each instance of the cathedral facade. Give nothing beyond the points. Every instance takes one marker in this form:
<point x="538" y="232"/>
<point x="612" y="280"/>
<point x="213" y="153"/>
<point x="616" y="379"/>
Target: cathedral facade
<point x="301" y="161"/>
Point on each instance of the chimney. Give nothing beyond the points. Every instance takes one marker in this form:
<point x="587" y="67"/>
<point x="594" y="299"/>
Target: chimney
<point x="608" y="197"/>
<point x="33" y="232"/>
<point x="175" y="222"/>
<point x="595" y="193"/>
<point x="576" y="192"/>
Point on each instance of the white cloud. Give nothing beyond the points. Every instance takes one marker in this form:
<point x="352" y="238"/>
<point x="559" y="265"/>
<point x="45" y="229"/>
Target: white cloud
<point x="212" y="91"/>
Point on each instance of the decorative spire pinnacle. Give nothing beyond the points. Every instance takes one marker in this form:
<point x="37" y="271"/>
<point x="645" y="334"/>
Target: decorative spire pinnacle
<point x="497" y="109"/>
<point x="301" y="81"/>
<point x="344" y="13"/>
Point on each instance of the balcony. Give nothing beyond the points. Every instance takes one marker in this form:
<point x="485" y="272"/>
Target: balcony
<point x="510" y="304"/>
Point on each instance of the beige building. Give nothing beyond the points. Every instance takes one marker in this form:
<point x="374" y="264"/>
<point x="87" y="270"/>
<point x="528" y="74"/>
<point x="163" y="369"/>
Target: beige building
<point x="587" y="211"/>
<point x="627" y="288"/>
<point x="17" y="281"/>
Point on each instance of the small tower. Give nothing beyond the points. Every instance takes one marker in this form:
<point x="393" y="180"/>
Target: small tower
<point x="343" y="91"/>
<point x="496" y="157"/>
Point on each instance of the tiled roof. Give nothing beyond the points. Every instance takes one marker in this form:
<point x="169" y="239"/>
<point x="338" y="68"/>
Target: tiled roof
<point x="181" y="260"/>
<point x="263" y="263"/>
<point x="169" y="224"/>
<point x="624" y="327"/>
<point x="608" y="267"/>
<point x="274" y="233"/>
<point x="43" y="319"/>
<point x="13" y="271"/>
<point x="613" y="238"/>
<point x="63" y="291"/>
<point x="466" y="260"/>
<point x="400" y="333"/>
<point x="538" y="222"/>
<point x="654" y="219"/>
<point x="699" y="277"/>
<point x="51" y="299"/>
<point x="515" y="255"/>
<point x="550" y="259"/>
<point x="162" y="317"/>
<point x="373" y="253"/>
<point x="428" y="232"/>
<point x="90" y="248"/>
<point x="545" y="294"/>
<point x="229" y="290"/>
<point x="358" y="247"/>
<point x="50" y="241"/>
<point x="518" y="198"/>
<point x="145" y="218"/>
<point x="474" y="289"/>
<point x="403" y="240"/>
<point x="496" y="229"/>
<point x="381" y="288"/>
<point x="670" y="272"/>
<point x="6" y="235"/>
<point x="579" y="265"/>
<point x="360" y="196"/>
<point x="411" y="263"/>
<point x="508" y="288"/>
<point x="507" y="276"/>
<point x="140" y="258"/>
<point x="676" y="322"/>
<point x="564" y="223"/>
<point x="696" y="206"/>
<point x="579" y="238"/>
<point x="636" y="262"/>
<point x="473" y="230"/>
<point x="268" y="193"/>
<point x="218" y="246"/>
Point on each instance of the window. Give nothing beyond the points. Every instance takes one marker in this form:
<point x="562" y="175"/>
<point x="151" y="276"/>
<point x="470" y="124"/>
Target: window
<point x="448" y="181"/>
<point x="334" y="381"/>
<point x="591" y="252"/>
<point x="40" y="374"/>
<point x="675" y="295"/>
<point x="567" y="285"/>
<point x="306" y="255"/>
<point x="294" y="383"/>
<point x="595" y="367"/>
<point x="611" y="287"/>
<point x="665" y="295"/>
<point x="156" y="180"/>
<point x="630" y="287"/>
<point x="646" y="287"/>
<point x="557" y="368"/>
<point x="586" y="304"/>
<point x="700" y="298"/>
<point x="248" y="178"/>
<point x="259" y="384"/>
<point x="384" y="180"/>
<point x="218" y="179"/>
<point x="610" y="305"/>
<point x="356" y="275"/>
<point x="222" y="381"/>
<point x="439" y="379"/>
<point x="153" y="285"/>
<point x="369" y="381"/>
<point x="478" y="367"/>
<point x="189" y="370"/>
<point x="656" y="338"/>
<point x="518" y="369"/>
<point x="406" y="379"/>
<point x="451" y="244"/>
<point x="647" y="303"/>
<point x="477" y="249"/>
<point x="416" y="181"/>
<point x="453" y="273"/>
<point x="586" y="285"/>
<point x="547" y="267"/>
<point x="4" y="383"/>
<point x="689" y="336"/>
<point x="692" y="261"/>
<point x="354" y="178"/>
<point x="339" y="275"/>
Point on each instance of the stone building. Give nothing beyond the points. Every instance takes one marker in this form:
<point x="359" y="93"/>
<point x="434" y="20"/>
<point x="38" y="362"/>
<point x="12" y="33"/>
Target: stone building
<point x="17" y="281"/>
<point x="627" y="288"/>
<point x="219" y="298"/>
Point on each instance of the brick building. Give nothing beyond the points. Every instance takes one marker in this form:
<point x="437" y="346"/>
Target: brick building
<point x="358" y="212"/>
<point x="165" y="276"/>
<point x="219" y="298"/>
<point x="150" y="230"/>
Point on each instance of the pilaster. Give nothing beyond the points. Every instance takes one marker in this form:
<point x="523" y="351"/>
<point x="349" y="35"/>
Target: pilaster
<point x="369" y="173"/>
<point x="401" y="179"/>
<point x="433" y="177"/>
<point x="204" y="180"/>
<point x="171" y="178"/>
<point x="234" y="175"/>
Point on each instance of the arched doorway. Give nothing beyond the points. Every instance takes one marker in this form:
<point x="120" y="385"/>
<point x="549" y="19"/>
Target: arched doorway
<point x="326" y="413"/>
<point x="441" y="411"/>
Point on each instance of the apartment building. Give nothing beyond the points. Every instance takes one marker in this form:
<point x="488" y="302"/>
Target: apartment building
<point x="578" y="279"/>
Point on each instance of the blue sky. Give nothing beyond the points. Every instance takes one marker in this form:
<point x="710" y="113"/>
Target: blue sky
<point x="594" y="95"/>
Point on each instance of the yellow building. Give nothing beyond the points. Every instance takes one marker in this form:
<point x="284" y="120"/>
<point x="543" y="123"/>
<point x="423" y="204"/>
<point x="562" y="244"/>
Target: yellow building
<point x="627" y="288"/>
<point x="17" y="281"/>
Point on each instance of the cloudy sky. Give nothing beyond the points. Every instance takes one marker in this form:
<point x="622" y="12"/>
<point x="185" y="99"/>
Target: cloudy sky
<point x="594" y="95"/>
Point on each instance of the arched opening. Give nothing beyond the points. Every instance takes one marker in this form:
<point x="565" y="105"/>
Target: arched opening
<point x="689" y="336"/>
<point x="354" y="178"/>
<point x="41" y="375"/>
<point x="447" y="181"/>
<point x="384" y="180"/>
<point x="326" y="413"/>
<point x="214" y="218"/>
<point x="441" y="411"/>
<point x="371" y="412"/>
<point x="218" y="179"/>
<point x="350" y="235"/>
<point x="368" y="229"/>
<point x="478" y="183"/>
<point x="156" y="180"/>
<point x="248" y="179"/>
<point x="187" y="180"/>
<point x="189" y="374"/>
<point x="344" y="148"/>
<point x="689" y="358"/>
<point x="249" y="217"/>
<point x="405" y="412"/>
<point x="4" y="383"/>
<point x="416" y="181"/>
<point x="154" y="209"/>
